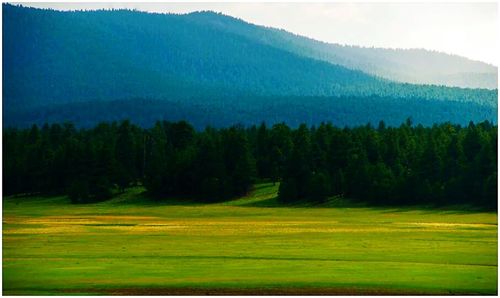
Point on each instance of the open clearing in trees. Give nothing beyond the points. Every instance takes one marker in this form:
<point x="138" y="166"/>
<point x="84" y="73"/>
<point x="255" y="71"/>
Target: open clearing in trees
<point x="131" y="245"/>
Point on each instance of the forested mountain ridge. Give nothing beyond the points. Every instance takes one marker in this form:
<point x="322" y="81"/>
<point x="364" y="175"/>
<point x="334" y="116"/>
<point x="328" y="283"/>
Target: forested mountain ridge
<point x="73" y="56"/>
<point x="53" y="60"/>
<point x="403" y="65"/>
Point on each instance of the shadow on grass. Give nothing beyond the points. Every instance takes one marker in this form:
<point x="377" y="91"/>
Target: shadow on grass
<point x="336" y="202"/>
<point x="263" y="195"/>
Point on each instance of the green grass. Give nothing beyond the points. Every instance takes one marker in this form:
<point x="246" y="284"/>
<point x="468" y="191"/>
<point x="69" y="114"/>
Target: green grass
<point x="131" y="244"/>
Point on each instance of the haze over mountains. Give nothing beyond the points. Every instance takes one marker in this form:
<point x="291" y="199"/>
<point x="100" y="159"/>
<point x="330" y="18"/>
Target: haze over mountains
<point x="402" y="65"/>
<point x="212" y="69"/>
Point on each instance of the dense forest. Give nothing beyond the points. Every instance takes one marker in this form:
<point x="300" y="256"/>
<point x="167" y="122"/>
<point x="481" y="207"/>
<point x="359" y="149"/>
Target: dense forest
<point x="248" y="110"/>
<point x="409" y="164"/>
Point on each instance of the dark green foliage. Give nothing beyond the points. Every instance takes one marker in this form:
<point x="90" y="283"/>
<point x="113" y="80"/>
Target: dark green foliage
<point x="125" y="170"/>
<point x="318" y="187"/>
<point x="78" y="192"/>
<point x="211" y="165"/>
<point x="81" y="191"/>
<point x="288" y="192"/>
<point x="240" y="165"/>
<point x="442" y="164"/>
<point x="381" y="183"/>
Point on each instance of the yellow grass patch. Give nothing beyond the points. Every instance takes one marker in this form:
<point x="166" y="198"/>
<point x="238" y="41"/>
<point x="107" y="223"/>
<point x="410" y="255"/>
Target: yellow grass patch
<point x="46" y="230"/>
<point x="448" y="225"/>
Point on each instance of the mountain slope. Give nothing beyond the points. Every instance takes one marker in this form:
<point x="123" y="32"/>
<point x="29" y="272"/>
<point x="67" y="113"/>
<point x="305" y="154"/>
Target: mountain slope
<point x="342" y="111"/>
<point x="53" y="60"/>
<point x="403" y="65"/>
<point x="67" y="56"/>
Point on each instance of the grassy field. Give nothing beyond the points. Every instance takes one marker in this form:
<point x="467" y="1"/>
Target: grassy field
<point x="131" y="245"/>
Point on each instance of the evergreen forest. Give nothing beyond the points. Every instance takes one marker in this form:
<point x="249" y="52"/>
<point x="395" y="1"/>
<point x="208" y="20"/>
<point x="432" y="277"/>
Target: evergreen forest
<point x="381" y="165"/>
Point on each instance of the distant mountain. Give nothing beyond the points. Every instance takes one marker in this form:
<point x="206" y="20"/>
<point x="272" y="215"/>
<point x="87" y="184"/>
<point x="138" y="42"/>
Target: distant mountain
<point x="403" y="65"/>
<point x="55" y="62"/>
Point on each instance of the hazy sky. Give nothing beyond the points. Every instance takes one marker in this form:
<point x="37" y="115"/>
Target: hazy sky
<point x="466" y="29"/>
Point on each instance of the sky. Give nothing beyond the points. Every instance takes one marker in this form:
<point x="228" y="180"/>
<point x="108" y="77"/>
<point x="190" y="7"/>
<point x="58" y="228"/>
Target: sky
<point x="466" y="29"/>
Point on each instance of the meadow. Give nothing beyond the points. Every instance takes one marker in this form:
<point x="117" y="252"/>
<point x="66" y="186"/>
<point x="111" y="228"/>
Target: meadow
<point x="133" y="245"/>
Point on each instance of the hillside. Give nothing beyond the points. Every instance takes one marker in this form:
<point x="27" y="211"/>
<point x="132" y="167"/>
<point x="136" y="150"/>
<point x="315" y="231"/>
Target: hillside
<point x="403" y="65"/>
<point x="340" y="111"/>
<point x="54" y="60"/>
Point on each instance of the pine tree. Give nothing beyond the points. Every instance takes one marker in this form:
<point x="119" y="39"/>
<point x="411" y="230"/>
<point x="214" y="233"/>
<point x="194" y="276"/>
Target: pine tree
<point x="125" y="171"/>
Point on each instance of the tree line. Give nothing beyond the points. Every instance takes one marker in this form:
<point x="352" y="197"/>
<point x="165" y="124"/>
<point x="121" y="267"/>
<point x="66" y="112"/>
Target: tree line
<point x="443" y="164"/>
